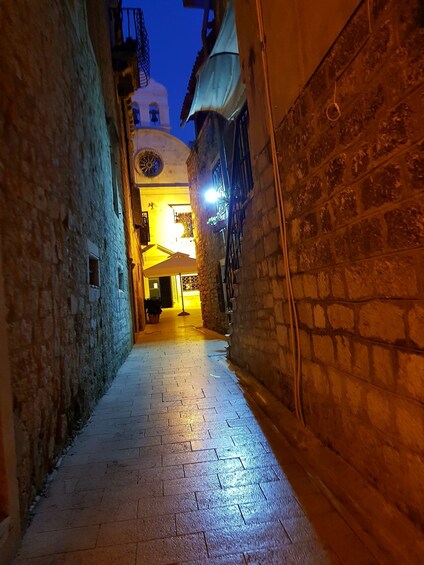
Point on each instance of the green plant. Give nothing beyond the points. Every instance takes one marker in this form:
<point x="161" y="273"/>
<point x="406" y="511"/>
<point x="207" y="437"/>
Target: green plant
<point x="153" y="306"/>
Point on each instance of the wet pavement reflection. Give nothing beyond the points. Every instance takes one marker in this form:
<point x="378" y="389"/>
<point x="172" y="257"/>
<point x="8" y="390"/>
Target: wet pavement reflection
<point x="177" y="466"/>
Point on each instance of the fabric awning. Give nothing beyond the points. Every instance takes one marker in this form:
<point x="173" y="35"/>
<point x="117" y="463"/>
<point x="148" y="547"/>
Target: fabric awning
<point x="219" y="86"/>
<point x="177" y="264"/>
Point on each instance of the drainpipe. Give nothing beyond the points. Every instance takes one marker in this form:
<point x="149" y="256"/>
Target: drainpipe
<point x="294" y="325"/>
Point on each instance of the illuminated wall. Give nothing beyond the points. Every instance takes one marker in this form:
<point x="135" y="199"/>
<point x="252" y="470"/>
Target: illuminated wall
<point x="161" y="177"/>
<point x="352" y="188"/>
<point x="64" y="229"/>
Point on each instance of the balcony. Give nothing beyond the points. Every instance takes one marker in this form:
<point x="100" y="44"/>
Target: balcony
<point x="144" y="229"/>
<point x="130" y="49"/>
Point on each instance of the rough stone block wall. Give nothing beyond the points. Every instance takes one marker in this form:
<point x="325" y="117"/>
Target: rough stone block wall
<point x="354" y="198"/>
<point x="259" y="302"/>
<point x="66" y="341"/>
<point x="210" y="245"/>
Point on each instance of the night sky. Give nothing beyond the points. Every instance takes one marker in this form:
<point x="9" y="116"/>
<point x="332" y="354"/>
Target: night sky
<point x="175" y="38"/>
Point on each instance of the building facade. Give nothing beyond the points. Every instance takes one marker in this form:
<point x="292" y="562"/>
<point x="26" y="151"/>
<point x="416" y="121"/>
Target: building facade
<point x="70" y="251"/>
<point x="325" y="280"/>
<point x="160" y="174"/>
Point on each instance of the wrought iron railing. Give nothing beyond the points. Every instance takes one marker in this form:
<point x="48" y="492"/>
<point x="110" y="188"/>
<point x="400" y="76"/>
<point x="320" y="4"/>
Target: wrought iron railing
<point x="130" y="35"/>
<point x="241" y="186"/>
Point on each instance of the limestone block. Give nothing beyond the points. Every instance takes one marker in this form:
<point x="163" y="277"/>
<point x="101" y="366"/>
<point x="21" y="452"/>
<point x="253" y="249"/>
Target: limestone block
<point x="319" y="316"/>
<point x="323" y="284"/>
<point x="389" y="280"/>
<point x="297" y="285"/>
<point x="271" y="244"/>
<point x="323" y="348"/>
<point x="278" y="290"/>
<point x="335" y="172"/>
<point x="316" y="377"/>
<point x="379" y="409"/>
<point x="355" y="396"/>
<point x="411" y="374"/>
<point x="366" y="238"/>
<point x="382" y="320"/>
<point x="405" y="227"/>
<point x="283" y="335"/>
<point x="304" y="312"/>
<point x="305" y="344"/>
<point x="341" y="317"/>
<point x="416" y="325"/>
<point x="410" y="424"/>
<point x="310" y="286"/>
<point x="361" y="361"/>
<point x="382" y="187"/>
<point x="338" y="284"/>
<point x="343" y="353"/>
<point x="337" y="382"/>
<point x="394" y="131"/>
<point x="344" y="206"/>
<point x="415" y="167"/>
<point x="383" y="366"/>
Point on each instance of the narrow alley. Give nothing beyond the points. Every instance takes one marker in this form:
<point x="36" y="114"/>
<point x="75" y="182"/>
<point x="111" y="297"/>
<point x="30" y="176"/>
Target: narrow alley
<point x="177" y="466"/>
<point x="258" y="164"/>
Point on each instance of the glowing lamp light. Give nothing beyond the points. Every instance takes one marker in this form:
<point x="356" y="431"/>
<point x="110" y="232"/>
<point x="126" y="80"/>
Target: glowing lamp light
<point x="211" y="196"/>
<point x="179" y="230"/>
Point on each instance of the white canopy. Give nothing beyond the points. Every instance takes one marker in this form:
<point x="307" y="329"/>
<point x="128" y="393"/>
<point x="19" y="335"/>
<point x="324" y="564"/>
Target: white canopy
<point x="219" y="86"/>
<point x="177" y="264"/>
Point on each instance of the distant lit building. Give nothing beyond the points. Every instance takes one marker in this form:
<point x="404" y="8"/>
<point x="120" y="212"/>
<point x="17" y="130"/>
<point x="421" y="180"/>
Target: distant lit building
<point x="161" y="176"/>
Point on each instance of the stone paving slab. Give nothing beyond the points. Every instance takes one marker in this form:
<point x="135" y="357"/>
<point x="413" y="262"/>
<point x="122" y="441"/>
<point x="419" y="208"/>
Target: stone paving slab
<point x="174" y="467"/>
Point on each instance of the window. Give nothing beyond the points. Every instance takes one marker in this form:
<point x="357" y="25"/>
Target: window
<point x="219" y="186"/>
<point x="120" y="278"/>
<point x="185" y="218"/>
<point x="242" y="156"/>
<point x="136" y="115"/>
<point x="190" y="282"/>
<point x="154" y="114"/>
<point x="93" y="271"/>
<point x="150" y="163"/>
<point x="241" y="188"/>
<point x="144" y="229"/>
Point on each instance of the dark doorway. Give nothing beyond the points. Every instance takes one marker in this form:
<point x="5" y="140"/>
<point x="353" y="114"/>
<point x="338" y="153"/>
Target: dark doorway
<point x="165" y="291"/>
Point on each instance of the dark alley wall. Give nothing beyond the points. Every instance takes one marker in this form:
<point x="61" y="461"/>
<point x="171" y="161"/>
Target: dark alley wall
<point x="66" y="339"/>
<point x="210" y="240"/>
<point x="353" y="192"/>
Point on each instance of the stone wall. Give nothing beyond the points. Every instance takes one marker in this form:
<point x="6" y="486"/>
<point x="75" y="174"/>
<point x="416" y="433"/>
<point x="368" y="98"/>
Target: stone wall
<point x="210" y="243"/>
<point x="353" y="191"/>
<point x="9" y="505"/>
<point x="66" y="339"/>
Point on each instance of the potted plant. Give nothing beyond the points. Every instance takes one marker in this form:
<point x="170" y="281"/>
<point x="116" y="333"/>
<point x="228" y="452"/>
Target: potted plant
<point x="153" y="309"/>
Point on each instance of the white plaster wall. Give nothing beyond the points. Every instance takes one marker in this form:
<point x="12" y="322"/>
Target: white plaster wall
<point x="173" y="152"/>
<point x="153" y="93"/>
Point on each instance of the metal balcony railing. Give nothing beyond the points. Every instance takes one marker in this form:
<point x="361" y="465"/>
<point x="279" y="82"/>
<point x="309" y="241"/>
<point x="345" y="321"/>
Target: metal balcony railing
<point x="241" y="186"/>
<point x="129" y="38"/>
<point x="144" y="229"/>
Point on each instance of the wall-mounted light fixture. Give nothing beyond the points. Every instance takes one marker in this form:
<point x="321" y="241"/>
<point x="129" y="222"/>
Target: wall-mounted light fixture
<point x="211" y="195"/>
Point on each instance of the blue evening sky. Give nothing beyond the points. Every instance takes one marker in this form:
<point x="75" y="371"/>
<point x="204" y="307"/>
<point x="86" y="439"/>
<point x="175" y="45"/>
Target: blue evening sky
<point x="175" y="38"/>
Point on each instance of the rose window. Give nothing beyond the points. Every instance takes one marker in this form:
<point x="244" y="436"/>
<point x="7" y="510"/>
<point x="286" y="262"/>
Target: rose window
<point x="150" y="163"/>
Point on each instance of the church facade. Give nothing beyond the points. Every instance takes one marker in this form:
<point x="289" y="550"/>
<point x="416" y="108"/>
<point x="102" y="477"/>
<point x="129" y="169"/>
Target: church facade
<point x="160" y="174"/>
